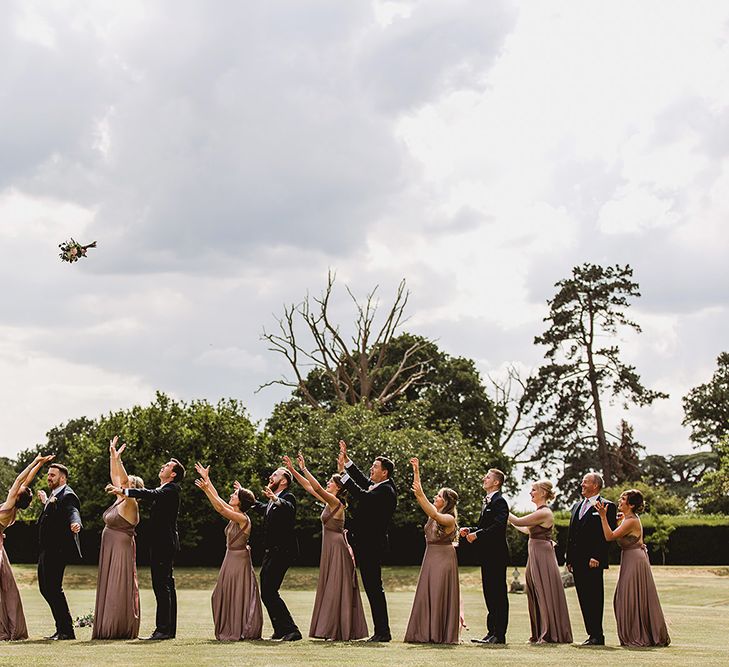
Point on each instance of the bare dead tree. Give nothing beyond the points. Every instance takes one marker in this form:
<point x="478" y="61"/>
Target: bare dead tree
<point x="355" y="367"/>
<point x="515" y="405"/>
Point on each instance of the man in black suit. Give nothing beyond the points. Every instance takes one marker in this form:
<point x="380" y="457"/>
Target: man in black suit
<point x="280" y="551"/>
<point x="587" y="555"/>
<point x="490" y="539"/>
<point x="58" y="528"/>
<point x="376" y="500"/>
<point x="164" y="543"/>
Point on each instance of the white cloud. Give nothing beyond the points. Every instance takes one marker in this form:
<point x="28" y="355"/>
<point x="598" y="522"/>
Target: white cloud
<point x="480" y="150"/>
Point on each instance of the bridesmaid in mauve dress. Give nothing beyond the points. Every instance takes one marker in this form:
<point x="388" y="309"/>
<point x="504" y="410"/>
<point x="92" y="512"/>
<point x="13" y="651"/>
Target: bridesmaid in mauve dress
<point x="338" y="612"/>
<point x="548" y="614"/>
<point x="435" y="616"/>
<point x="117" y="613"/>
<point x="12" y="619"/>
<point x="236" y="602"/>
<point x="637" y="609"/>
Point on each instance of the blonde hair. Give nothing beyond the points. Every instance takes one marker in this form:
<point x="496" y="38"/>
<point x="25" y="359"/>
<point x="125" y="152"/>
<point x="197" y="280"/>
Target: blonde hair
<point x="135" y="482"/>
<point x="498" y="474"/>
<point x="546" y="487"/>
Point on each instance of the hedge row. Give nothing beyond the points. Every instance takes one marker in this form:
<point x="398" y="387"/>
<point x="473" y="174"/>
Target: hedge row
<point x="693" y="542"/>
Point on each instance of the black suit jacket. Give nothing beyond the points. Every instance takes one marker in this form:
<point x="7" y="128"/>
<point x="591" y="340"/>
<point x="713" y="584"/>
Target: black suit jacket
<point x="373" y="511"/>
<point x="491" y="530"/>
<point x="278" y="524"/>
<point x="164" y="542"/>
<point x="54" y="525"/>
<point x="586" y="538"/>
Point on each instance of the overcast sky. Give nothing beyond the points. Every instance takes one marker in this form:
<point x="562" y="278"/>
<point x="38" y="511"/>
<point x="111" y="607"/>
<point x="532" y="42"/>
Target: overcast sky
<point x="225" y="155"/>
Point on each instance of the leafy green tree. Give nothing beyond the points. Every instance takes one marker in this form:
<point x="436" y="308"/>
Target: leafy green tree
<point x="627" y="455"/>
<point x="451" y="389"/>
<point x="447" y="459"/>
<point x="706" y="407"/>
<point x="658" y="500"/>
<point x="584" y="367"/>
<point x="59" y="441"/>
<point x="660" y="536"/>
<point x="715" y="484"/>
<point x="7" y="476"/>
<point x="222" y="435"/>
<point x="680" y="473"/>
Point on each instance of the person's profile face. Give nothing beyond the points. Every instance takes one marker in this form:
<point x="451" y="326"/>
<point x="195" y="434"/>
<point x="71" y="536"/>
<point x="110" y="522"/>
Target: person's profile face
<point x="490" y="482"/>
<point x="377" y="472"/>
<point x="167" y="472"/>
<point x="439" y="501"/>
<point x="275" y="481"/>
<point x="589" y="488"/>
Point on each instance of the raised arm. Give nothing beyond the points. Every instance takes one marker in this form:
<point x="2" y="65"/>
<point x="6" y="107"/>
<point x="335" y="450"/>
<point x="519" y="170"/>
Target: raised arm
<point x="347" y="467"/>
<point x="317" y="489"/>
<point x="219" y="505"/>
<point x="25" y="477"/>
<point x="117" y="472"/>
<point x="305" y="484"/>
<point x="445" y="520"/>
<point x="612" y="534"/>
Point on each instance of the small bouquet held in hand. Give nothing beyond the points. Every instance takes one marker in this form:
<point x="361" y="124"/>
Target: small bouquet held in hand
<point x="72" y="251"/>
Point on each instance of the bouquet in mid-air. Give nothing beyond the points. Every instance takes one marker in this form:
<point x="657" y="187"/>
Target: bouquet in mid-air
<point x="72" y="251"/>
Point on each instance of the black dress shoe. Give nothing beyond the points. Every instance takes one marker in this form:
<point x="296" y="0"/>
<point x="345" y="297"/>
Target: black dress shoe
<point x="493" y="639"/>
<point x="275" y="637"/>
<point x="291" y="636"/>
<point x="52" y="637"/>
<point x="62" y="636"/>
<point x="594" y="641"/>
<point x="156" y="637"/>
<point x="382" y="639"/>
<point x="482" y="641"/>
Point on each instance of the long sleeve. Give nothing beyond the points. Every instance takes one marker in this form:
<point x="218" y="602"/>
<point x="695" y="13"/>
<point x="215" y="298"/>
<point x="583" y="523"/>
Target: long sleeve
<point x="356" y="475"/>
<point x="149" y="494"/>
<point x="72" y="508"/>
<point x="500" y="515"/>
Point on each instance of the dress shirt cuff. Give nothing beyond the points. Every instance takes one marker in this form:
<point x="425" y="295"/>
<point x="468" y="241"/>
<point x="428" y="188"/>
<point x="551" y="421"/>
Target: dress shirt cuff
<point x="345" y="477"/>
<point x="349" y="463"/>
<point x="125" y="492"/>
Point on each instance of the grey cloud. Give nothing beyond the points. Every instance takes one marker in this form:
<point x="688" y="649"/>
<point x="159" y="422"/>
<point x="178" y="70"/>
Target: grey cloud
<point x="440" y="47"/>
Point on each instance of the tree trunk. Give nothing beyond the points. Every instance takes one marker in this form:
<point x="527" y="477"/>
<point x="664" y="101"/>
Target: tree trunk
<point x="603" y="451"/>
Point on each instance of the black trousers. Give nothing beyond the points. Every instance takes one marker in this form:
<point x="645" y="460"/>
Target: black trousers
<point x="370" y="567"/>
<point x="493" y="580"/>
<point x="591" y="594"/>
<point x="51" y="566"/>
<point x="163" y="584"/>
<point x="273" y="570"/>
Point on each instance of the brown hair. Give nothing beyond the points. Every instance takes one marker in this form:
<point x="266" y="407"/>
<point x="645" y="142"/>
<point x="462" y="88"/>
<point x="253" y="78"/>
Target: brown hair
<point x="451" y="500"/>
<point x="289" y="477"/>
<point x="22" y="500"/>
<point x="341" y="490"/>
<point x="246" y="499"/>
<point x="60" y="467"/>
<point x="634" y="498"/>
<point x="179" y="470"/>
<point x="386" y="465"/>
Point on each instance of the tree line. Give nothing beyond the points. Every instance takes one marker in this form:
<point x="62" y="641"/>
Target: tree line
<point x="389" y="391"/>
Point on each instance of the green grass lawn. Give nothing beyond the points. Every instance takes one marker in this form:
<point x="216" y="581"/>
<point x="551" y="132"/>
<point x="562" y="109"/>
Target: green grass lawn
<point x="695" y="601"/>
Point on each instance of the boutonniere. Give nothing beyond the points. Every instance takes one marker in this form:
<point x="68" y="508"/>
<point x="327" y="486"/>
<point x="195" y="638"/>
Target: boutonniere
<point x="52" y="500"/>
